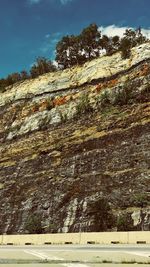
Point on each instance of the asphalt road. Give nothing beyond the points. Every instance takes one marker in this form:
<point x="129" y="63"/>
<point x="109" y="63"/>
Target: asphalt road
<point x="75" y="256"/>
<point x="141" y="248"/>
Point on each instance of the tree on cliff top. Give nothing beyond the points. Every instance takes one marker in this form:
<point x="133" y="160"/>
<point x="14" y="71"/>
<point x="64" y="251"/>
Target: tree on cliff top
<point x="90" y="38"/>
<point x="41" y="66"/>
<point x="67" y="51"/>
<point x="72" y="50"/>
<point x="130" y="39"/>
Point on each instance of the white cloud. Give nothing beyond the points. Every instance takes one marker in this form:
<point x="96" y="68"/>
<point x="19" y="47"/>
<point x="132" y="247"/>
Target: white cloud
<point x="63" y="2"/>
<point x="113" y="30"/>
<point x="47" y="35"/>
<point x="32" y="2"/>
<point x="50" y="42"/>
<point x="55" y="63"/>
<point x="146" y="32"/>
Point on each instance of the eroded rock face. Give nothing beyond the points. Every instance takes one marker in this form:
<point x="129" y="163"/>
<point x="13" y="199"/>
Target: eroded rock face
<point x="62" y="153"/>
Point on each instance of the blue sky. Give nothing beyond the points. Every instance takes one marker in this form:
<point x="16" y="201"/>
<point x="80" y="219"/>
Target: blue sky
<point x="31" y="28"/>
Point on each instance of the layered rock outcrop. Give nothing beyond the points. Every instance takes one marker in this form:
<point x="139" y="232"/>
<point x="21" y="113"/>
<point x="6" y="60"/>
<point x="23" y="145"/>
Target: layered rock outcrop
<point x="75" y="143"/>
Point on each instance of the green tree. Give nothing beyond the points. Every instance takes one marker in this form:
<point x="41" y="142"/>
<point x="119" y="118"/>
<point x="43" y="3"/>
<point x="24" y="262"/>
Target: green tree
<point x="125" y="48"/>
<point x="13" y="78"/>
<point x="110" y="44"/>
<point x="72" y="50"/>
<point x="115" y="40"/>
<point x="61" y="52"/>
<point x="42" y="66"/>
<point x="3" y="85"/>
<point x="130" y="35"/>
<point x="140" y="37"/>
<point x="68" y="51"/>
<point x="24" y="75"/>
<point x="105" y="43"/>
<point x="90" y="41"/>
<point x="130" y="39"/>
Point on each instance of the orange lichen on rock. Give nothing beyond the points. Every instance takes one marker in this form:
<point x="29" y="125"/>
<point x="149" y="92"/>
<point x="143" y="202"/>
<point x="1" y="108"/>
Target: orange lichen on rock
<point x="35" y="108"/>
<point x="108" y="84"/>
<point x="99" y="87"/>
<point x="145" y="70"/>
<point x="45" y="104"/>
<point x="59" y="101"/>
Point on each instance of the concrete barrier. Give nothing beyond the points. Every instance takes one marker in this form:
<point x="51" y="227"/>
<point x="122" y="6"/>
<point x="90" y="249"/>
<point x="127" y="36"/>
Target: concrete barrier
<point x="78" y="238"/>
<point x="41" y="239"/>
<point x="104" y="238"/>
<point x="139" y="237"/>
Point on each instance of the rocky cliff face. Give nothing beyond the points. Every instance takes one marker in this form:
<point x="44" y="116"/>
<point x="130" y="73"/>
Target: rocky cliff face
<point x="75" y="148"/>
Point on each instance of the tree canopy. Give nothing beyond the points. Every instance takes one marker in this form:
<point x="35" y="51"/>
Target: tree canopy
<point x="72" y="50"/>
<point x="41" y="66"/>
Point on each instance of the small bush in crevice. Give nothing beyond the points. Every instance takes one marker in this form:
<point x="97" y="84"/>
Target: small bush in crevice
<point x="33" y="224"/>
<point x="144" y="95"/>
<point x="124" y="95"/>
<point x="49" y="103"/>
<point x="125" y="222"/>
<point x="83" y="106"/>
<point x="63" y="116"/>
<point x="140" y="200"/>
<point x="103" y="218"/>
<point x="146" y="89"/>
<point x="50" y="228"/>
<point x="103" y="100"/>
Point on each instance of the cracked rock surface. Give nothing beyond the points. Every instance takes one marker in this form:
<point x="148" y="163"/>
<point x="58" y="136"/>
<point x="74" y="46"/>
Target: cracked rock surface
<point x="58" y="161"/>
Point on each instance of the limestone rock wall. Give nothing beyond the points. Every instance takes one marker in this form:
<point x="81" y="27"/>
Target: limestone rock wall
<point x="57" y="160"/>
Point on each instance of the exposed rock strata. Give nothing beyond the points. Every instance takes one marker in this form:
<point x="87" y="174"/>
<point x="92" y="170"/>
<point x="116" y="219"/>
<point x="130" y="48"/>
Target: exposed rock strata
<point x="56" y="161"/>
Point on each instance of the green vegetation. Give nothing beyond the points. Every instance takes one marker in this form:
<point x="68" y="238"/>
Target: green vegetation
<point x="125" y="48"/>
<point x="140" y="200"/>
<point x="121" y="96"/>
<point x="103" y="218"/>
<point x="106" y="261"/>
<point x="125" y="223"/>
<point x="129" y="262"/>
<point x="124" y="95"/>
<point x="103" y="100"/>
<point x="144" y="94"/>
<point x="72" y="50"/>
<point x="110" y="101"/>
<point x="33" y="224"/>
<point x="131" y="38"/>
<point x="83" y="105"/>
<point x="77" y="49"/>
<point x="41" y="66"/>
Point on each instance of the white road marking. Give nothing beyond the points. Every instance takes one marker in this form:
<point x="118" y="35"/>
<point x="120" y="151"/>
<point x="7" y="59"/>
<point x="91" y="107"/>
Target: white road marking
<point x="35" y="254"/>
<point x="143" y="254"/>
<point x="74" y="265"/>
<point x="42" y="255"/>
